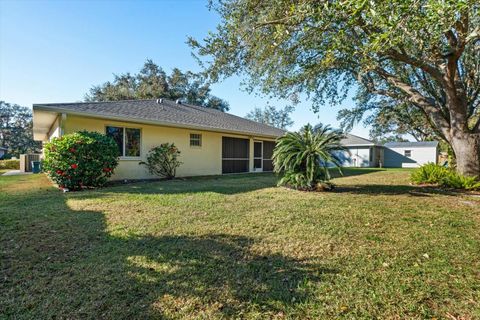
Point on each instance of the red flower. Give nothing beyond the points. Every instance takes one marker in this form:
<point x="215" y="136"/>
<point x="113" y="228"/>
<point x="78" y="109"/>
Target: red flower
<point x="72" y="150"/>
<point x="74" y="166"/>
<point x="59" y="171"/>
<point x="107" y="169"/>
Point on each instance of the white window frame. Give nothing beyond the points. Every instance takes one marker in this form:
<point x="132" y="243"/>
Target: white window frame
<point x="123" y="156"/>
<point x="200" y="140"/>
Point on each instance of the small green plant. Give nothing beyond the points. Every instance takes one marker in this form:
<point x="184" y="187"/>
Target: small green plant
<point x="81" y="159"/>
<point x="9" y="164"/>
<point x="163" y="160"/>
<point x="305" y="157"/>
<point x="431" y="173"/>
<point x="457" y="181"/>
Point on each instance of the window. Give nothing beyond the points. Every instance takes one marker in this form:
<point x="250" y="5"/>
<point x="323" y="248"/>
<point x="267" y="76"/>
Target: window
<point x="117" y="134"/>
<point x="408" y="153"/>
<point x="132" y="142"/>
<point x="195" y="140"/>
<point x="127" y="139"/>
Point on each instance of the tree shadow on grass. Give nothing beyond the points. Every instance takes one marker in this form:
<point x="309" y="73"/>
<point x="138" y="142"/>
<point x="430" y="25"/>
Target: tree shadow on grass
<point x="350" y="172"/>
<point x="229" y="184"/>
<point x="221" y="275"/>
<point x="379" y="189"/>
<point x="58" y="262"/>
<point x="225" y="184"/>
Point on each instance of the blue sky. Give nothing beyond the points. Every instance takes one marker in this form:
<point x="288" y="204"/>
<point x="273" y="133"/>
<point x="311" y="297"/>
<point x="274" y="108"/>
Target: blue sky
<point x="54" y="51"/>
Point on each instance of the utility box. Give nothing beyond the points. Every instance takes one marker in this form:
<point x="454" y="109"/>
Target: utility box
<point x="26" y="161"/>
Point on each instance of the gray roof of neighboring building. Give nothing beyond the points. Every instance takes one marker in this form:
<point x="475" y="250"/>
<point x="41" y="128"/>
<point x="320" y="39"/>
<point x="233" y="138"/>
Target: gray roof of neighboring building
<point x="413" y="144"/>
<point x="353" y="140"/>
<point x="167" y="113"/>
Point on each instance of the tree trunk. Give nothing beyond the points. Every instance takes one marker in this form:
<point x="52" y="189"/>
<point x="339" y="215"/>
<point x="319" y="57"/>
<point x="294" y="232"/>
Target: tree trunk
<point x="467" y="153"/>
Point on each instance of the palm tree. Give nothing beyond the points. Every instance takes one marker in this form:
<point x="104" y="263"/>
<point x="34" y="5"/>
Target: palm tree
<point x="306" y="156"/>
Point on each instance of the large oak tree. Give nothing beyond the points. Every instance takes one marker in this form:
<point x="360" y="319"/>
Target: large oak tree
<point x="420" y="53"/>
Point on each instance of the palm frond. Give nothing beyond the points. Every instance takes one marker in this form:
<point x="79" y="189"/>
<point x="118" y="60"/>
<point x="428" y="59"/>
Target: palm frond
<point x="305" y="157"/>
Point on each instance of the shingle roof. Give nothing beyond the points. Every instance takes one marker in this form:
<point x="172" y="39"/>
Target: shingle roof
<point x="409" y="144"/>
<point x="166" y="113"/>
<point x="353" y="140"/>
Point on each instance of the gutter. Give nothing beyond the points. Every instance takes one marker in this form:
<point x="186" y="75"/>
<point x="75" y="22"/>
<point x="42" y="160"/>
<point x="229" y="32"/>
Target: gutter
<point x="362" y="145"/>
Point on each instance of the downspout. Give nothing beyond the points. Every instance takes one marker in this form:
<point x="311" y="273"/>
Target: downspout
<point x="63" y="118"/>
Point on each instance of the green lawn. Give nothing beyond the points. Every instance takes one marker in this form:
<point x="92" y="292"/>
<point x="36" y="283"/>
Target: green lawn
<point x="239" y="247"/>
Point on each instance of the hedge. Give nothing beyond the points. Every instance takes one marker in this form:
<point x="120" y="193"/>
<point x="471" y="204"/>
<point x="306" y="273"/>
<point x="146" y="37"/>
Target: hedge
<point x="9" y="164"/>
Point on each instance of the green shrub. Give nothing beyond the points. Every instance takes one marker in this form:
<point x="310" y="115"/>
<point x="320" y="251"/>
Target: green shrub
<point x="81" y="159"/>
<point x="299" y="181"/>
<point x="9" y="164"/>
<point x="304" y="157"/>
<point x="457" y="181"/>
<point x="429" y="173"/>
<point x="163" y="160"/>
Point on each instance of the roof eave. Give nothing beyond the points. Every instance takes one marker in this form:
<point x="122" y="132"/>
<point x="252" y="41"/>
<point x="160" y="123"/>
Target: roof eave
<point x="362" y="145"/>
<point x="413" y="146"/>
<point x="42" y="107"/>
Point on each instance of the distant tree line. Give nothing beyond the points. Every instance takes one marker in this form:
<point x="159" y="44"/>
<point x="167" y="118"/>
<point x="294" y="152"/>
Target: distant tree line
<point x="16" y="130"/>
<point x="270" y="115"/>
<point x="152" y="82"/>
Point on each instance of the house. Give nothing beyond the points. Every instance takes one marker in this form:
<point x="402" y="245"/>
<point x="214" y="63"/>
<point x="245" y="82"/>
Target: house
<point x="367" y="153"/>
<point x="410" y="154"/>
<point x="211" y="142"/>
<point x="361" y="152"/>
<point x="2" y="152"/>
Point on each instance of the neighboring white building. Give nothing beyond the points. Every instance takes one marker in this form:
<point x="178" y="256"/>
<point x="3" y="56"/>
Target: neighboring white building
<point x="366" y="153"/>
<point x="362" y="152"/>
<point x="410" y="154"/>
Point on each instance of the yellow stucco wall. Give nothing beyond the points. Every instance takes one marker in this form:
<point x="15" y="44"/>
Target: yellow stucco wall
<point x="204" y="160"/>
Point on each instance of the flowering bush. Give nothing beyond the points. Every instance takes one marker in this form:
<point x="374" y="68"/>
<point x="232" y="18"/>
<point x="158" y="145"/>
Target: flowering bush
<point x="81" y="159"/>
<point x="163" y="160"/>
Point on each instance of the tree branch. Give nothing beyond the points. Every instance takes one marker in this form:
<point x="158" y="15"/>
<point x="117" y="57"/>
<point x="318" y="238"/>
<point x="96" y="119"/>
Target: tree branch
<point x="405" y="58"/>
<point x="473" y="36"/>
<point x="476" y="127"/>
<point x="415" y="97"/>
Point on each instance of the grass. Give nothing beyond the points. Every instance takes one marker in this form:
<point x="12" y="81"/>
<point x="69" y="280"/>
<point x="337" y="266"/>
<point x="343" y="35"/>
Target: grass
<point x="239" y="247"/>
